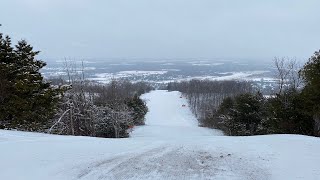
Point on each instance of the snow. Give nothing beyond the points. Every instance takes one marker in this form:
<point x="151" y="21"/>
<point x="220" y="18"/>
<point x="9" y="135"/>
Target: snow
<point x="225" y="76"/>
<point x="207" y="64"/>
<point x="168" y="64"/>
<point x="168" y="119"/>
<point x="231" y="76"/>
<point x="141" y="73"/>
<point x="107" y="77"/>
<point x="169" y="146"/>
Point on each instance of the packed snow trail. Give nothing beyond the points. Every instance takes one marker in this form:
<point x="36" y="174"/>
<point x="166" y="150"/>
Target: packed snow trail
<point x="169" y="146"/>
<point x="170" y="117"/>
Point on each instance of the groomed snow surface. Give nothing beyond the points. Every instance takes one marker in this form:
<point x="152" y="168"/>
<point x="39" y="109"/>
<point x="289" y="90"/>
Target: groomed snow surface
<point x="169" y="146"/>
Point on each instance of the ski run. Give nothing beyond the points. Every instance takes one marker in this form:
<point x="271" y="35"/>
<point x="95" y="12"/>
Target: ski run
<point x="169" y="146"/>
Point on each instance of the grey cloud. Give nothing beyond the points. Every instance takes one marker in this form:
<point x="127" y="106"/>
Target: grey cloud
<point x="165" y="28"/>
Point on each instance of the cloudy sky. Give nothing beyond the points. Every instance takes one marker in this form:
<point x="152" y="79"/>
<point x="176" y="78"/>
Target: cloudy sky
<point x="214" y="29"/>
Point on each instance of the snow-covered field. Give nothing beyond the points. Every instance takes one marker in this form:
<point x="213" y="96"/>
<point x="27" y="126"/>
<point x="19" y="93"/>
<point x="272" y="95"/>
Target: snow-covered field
<point x="232" y="76"/>
<point x="108" y="77"/>
<point x="169" y="146"/>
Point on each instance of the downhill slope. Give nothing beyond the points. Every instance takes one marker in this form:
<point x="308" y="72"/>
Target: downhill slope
<point x="169" y="146"/>
<point x="169" y="117"/>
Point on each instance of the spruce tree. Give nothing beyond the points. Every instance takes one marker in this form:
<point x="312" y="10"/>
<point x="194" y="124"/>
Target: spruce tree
<point x="247" y="113"/>
<point x="7" y="59"/>
<point x="311" y="75"/>
<point x="243" y="114"/>
<point x="28" y="100"/>
<point x="287" y="114"/>
<point x="139" y="109"/>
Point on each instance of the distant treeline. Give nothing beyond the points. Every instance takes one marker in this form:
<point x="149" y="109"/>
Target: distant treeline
<point x="205" y="95"/>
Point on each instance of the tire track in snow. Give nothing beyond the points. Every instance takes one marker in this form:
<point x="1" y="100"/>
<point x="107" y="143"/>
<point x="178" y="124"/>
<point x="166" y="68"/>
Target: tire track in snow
<point x="110" y="165"/>
<point x="176" y="162"/>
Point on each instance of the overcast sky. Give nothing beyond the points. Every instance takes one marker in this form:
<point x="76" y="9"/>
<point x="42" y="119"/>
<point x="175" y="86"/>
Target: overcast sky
<point x="214" y="29"/>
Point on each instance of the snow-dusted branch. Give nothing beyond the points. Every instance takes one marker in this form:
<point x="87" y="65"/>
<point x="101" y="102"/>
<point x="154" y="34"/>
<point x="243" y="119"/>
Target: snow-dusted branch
<point x="58" y="120"/>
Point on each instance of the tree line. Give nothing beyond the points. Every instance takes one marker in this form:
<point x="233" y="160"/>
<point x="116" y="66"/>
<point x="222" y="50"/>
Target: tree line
<point x="238" y="109"/>
<point x="73" y="107"/>
<point x="292" y="109"/>
<point x="205" y="95"/>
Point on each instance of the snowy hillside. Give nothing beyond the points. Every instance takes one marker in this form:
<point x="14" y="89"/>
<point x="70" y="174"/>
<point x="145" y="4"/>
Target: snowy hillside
<point x="169" y="146"/>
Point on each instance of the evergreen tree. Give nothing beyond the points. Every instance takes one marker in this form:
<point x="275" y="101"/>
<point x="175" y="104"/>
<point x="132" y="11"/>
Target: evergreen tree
<point x="247" y="113"/>
<point x="242" y="115"/>
<point x="224" y="116"/>
<point x="311" y="75"/>
<point x="7" y="58"/>
<point x="287" y="114"/>
<point x="27" y="100"/>
<point x="139" y="109"/>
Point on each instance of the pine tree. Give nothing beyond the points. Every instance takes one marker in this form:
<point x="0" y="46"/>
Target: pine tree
<point x="287" y="114"/>
<point x="139" y="109"/>
<point x="311" y="75"/>
<point x="247" y="113"/>
<point x="28" y="100"/>
<point x="7" y="58"/>
<point x="243" y="114"/>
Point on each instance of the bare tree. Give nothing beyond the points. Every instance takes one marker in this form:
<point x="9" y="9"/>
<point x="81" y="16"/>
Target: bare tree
<point x="287" y="73"/>
<point x="89" y="109"/>
<point x="117" y="118"/>
<point x="205" y="96"/>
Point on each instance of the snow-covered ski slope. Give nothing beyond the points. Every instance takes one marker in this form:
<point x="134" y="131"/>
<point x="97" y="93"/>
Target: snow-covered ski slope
<point x="169" y="117"/>
<point x="169" y="146"/>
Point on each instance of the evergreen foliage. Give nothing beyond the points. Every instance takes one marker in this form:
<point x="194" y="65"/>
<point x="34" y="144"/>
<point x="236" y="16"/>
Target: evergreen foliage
<point x="287" y="114"/>
<point x="241" y="115"/>
<point x="311" y="93"/>
<point x="249" y="114"/>
<point x="27" y="101"/>
<point x="139" y="109"/>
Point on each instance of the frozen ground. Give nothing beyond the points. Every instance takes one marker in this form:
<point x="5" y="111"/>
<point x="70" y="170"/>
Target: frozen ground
<point x="169" y="146"/>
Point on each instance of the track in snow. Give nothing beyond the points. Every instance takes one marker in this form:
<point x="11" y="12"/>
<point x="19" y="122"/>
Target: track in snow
<point x="176" y="162"/>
